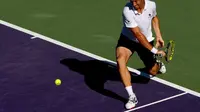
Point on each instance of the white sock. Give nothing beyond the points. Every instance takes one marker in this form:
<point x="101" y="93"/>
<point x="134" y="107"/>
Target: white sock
<point x="129" y="89"/>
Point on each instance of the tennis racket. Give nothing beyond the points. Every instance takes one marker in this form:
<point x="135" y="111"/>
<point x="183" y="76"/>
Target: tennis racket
<point x="169" y="50"/>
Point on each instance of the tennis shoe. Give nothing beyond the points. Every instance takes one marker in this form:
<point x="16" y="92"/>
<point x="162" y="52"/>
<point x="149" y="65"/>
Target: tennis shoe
<point x="132" y="101"/>
<point x="162" y="69"/>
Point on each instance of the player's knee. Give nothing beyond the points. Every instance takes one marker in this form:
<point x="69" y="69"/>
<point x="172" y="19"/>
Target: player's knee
<point x="121" y="59"/>
<point x="153" y="72"/>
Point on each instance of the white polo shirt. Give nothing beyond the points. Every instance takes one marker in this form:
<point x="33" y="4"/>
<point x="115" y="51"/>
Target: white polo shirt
<point x="132" y="18"/>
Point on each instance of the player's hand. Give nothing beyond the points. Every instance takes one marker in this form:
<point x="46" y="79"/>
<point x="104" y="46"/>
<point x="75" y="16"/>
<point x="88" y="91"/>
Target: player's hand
<point x="159" y="42"/>
<point x="161" y="53"/>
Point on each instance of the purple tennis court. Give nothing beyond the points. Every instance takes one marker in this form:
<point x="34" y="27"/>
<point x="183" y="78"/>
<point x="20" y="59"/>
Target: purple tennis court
<point x="29" y="67"/>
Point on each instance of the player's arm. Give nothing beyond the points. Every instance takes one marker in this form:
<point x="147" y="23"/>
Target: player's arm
<point x="156" y="27"/>
<point x="141" y="38"/>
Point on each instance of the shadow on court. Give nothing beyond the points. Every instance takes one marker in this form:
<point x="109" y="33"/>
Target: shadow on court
<point x="96" y="73"/>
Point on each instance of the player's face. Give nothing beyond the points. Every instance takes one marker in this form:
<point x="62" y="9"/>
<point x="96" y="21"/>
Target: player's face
<point x="137" y="4"/>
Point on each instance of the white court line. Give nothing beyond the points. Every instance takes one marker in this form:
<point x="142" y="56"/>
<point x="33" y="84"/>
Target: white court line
<point x="33" y="37"/>
<point x="94" y="56"/>
<point x="156" y="102"/>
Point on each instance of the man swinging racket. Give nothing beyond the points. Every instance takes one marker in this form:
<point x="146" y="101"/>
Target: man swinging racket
<point x="136" y="36"/>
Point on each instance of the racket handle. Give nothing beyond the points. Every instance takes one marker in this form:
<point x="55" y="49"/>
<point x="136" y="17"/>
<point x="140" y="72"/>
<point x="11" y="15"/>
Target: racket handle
<point x="159" y="55"/>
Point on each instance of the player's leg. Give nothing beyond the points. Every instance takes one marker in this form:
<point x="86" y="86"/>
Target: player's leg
<point x="122" y="56"/>
<point x="123" y="53"/>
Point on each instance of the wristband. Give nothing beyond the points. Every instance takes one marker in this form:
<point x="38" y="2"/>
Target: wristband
<point x="154" y="50"/>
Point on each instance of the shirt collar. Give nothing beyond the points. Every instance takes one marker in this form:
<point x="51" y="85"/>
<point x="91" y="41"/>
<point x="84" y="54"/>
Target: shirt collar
<point x="145" y="8"/>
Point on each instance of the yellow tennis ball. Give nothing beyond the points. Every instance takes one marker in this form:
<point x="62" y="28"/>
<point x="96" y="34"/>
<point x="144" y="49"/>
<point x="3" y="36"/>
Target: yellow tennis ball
<point x="58" y="82"/>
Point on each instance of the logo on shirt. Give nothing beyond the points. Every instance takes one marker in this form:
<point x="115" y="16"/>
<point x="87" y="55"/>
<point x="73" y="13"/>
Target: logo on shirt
<point x="150" y="15"/>
<point x="127" y="21"/>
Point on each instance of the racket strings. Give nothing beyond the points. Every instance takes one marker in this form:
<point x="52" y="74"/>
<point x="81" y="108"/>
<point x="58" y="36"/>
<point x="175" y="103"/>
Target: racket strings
<point x="170" y="50"/>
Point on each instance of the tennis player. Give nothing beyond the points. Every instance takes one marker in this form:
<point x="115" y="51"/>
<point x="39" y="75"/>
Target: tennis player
<point x="138" y="18"/>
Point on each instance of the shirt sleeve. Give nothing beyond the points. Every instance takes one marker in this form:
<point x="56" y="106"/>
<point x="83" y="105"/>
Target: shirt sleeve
<point x="154" y="9"/>
<point x="128" y="18"/>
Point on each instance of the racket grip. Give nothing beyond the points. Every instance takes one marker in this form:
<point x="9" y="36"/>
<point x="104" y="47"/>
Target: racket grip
<point x="159" y="55"/>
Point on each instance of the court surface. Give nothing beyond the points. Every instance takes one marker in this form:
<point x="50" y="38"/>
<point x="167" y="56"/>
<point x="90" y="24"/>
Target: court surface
<point x="30" y="63"/>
